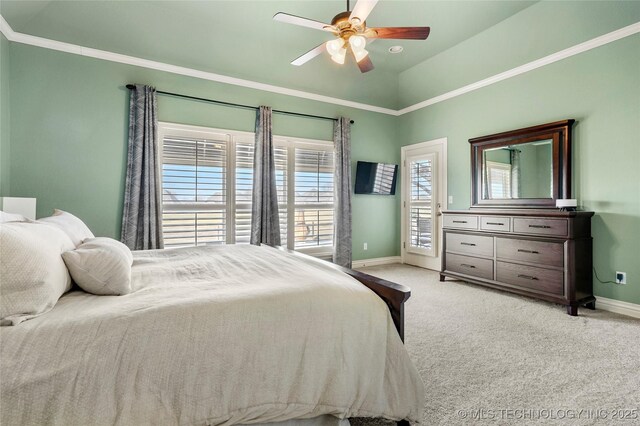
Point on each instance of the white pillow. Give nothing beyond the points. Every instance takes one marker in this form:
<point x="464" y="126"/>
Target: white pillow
<point x="101" y="266"/>
<point x="33" y="274"/>
<point x="71" y="225"/>
<point x="12" y="217"/>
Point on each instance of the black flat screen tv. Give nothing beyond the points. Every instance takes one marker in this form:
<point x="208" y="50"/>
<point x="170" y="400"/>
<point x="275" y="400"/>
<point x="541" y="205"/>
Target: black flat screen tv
<point x="376" y="178"/>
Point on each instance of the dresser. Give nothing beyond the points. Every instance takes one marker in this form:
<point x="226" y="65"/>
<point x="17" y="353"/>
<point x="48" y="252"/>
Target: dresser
<point x="546" y="254"/>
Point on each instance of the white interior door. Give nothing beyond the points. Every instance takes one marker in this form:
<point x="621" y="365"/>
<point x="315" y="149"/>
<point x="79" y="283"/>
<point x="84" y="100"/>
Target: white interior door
<point x="424" y="192"/>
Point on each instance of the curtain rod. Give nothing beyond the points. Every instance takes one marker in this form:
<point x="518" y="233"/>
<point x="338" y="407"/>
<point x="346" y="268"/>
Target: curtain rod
<point x="231" y="104"/>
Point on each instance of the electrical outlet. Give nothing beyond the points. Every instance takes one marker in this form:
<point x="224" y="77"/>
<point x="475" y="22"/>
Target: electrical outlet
<point x="450" y="199"/>
<point x="365" y="246"/>
<point x="621" y="277"/>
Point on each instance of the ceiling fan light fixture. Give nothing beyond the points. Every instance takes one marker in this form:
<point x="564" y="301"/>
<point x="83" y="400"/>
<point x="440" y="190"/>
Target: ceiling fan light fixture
<point x="360" y="54"/>
<point x="334" y="46"/>
<point x="351" y="32"/>
<point x="357" y="43"/>
<point x="340" y="56"/>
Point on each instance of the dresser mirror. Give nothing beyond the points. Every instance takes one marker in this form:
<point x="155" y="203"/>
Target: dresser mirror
<point x="524" y="168"/>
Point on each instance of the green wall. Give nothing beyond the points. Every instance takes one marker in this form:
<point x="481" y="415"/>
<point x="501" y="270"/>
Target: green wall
<point x="69" y="136"/>
<point x="4" y="116"/>
<point x="601" y="90"/>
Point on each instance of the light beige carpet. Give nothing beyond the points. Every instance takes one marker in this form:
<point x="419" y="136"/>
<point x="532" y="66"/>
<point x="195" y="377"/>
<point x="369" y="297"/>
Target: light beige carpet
<point x="489" y="357"/>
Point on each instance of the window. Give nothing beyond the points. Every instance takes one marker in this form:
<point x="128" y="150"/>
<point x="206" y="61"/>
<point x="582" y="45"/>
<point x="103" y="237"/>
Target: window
<point x="207" y="182"/>
<point x="313" y="197"/>
<point x="194" y="190"/>
<point x="499" y="176"/>
<point x="420" y="203"/>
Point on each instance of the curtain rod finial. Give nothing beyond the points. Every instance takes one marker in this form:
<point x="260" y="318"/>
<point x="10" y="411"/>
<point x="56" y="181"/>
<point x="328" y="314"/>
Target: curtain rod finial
<point x="131" y="86"/>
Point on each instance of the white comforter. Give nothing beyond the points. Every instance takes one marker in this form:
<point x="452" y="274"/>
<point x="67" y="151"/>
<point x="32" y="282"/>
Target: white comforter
<point x="215" y="335"/>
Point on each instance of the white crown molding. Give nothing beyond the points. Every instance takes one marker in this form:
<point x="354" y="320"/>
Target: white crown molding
<point x="174" y="69"/>
<point x="376" y="261"/>
<point x="13" y="36"/>
<point x="6" y="29"/>
<point x="618" y="306"/>
<point x="550" y="59"/>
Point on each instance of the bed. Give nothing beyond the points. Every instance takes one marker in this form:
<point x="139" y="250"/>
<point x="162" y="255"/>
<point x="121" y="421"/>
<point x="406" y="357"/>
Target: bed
<point x="214" y="335"/>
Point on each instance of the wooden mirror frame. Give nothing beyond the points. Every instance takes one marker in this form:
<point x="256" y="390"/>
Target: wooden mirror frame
<point x="559" y="132"/>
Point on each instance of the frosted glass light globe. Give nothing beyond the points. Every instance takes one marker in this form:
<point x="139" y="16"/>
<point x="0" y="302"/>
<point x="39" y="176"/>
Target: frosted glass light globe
<point x="357" y="43"/>
<point x="334" y="46"/>
<point x="340" y="56"/>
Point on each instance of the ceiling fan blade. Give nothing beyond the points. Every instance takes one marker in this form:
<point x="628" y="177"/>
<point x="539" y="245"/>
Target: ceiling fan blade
<point x="362" y="9"/>
<point x="303" y="22"/>
<point x="365" y="64"/>
<point x="309" y="55"/>
<point x="407" y="33"/>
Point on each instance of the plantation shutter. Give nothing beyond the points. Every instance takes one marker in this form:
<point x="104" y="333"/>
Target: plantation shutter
<point x="207" y="182"/>
<point x="194" y="183"/>
<point x="313" y="197"/>
<point x="421" y="209"/>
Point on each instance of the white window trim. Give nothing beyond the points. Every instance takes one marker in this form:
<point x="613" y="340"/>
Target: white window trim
<point x="233" y="136"/>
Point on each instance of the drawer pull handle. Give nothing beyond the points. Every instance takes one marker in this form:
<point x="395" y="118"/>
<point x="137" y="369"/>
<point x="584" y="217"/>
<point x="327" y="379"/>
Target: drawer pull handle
<point x="528" y="251"/>
<point x="528" y="277"/>
<point x="467" y="244"/>
<point x="495" y="223"/>
<point x="540" y="226"/>
<point x="467" y="266"/>
<point x="459" y="221"/>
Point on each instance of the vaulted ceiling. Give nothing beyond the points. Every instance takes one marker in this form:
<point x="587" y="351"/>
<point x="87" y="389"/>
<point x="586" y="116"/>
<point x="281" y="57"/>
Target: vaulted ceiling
<point x="240" y="39"/>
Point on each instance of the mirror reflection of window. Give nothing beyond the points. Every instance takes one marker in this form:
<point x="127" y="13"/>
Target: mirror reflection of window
<point x="518" y="171"/>
<point x="499" y="180"/>
<point x="498" y="174"/>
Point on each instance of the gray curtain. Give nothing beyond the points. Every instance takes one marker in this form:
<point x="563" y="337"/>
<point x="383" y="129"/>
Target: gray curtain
<point x="265" y="223"/>
<point x="342" y="193"/>
<point x="142" y="215"/>
<point x="515" y="173"/>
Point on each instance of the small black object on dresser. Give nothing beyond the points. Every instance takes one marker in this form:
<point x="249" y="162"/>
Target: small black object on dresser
<point x="544" y="254"/>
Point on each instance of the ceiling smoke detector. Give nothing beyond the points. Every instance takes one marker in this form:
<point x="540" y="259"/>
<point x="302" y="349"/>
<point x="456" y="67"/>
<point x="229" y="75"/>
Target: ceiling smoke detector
<point x="396" y="49"/>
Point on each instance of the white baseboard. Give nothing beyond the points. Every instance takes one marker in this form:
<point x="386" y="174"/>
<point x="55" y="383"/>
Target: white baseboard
<point x="375" y="262"/>
<point x="617" y="306"/>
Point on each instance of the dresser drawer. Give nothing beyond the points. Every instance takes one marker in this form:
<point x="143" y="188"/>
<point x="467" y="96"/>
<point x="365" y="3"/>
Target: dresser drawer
<point x="495" y="223"/>
<point x="478" y="245"/>
<point x="553" y="227"/>
<point x="544" y="280"/>
<point x="549" y="254"/>
<point x="460" y="221"/>
<point x="482" y="268"/>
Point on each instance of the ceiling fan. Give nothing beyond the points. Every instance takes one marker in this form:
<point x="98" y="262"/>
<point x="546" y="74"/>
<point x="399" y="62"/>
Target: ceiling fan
<point x="352" y="33"/>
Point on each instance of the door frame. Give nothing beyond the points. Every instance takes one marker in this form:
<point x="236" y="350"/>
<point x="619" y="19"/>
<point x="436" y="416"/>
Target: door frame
<point x="442" y="189"/>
